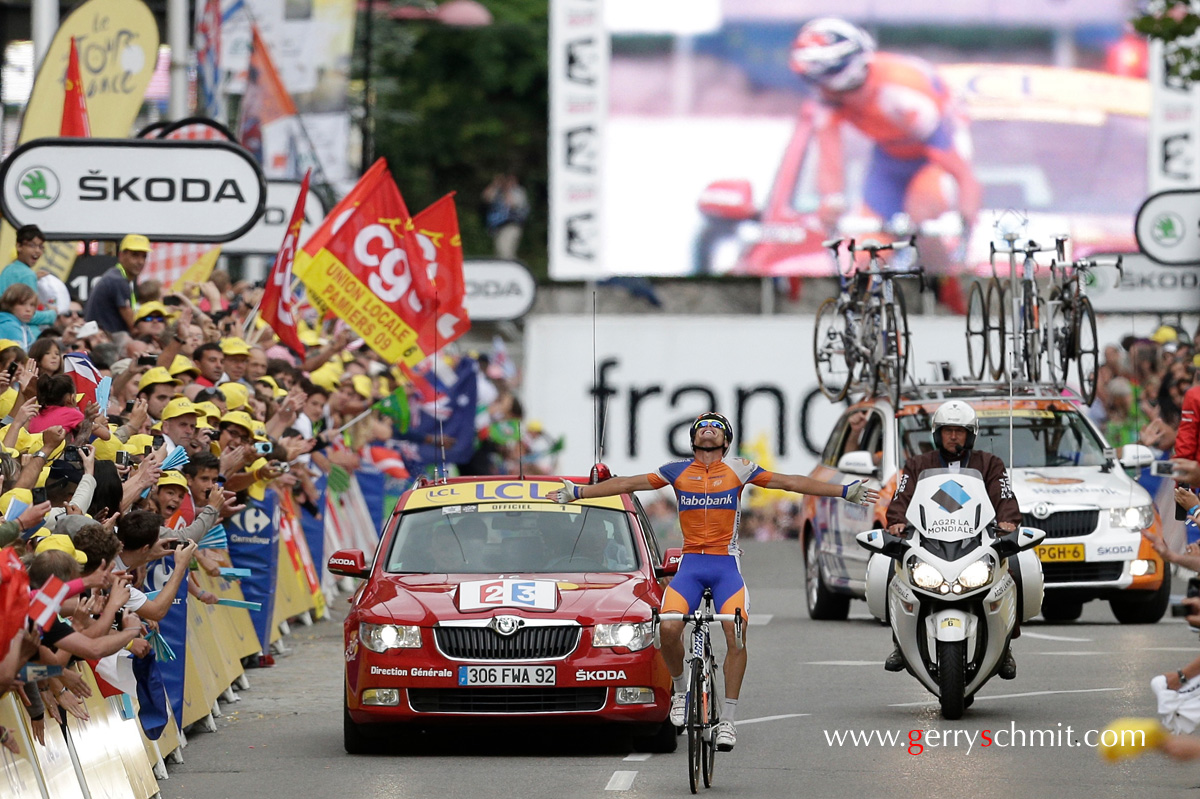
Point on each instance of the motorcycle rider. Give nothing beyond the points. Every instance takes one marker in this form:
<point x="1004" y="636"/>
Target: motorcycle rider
<point x="708" y="489"/>
<point x="903" y="107"/>
<point x="954" y="428"/>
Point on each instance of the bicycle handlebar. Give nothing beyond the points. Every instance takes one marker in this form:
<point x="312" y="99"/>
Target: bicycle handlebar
<point x="873" y="248"/>
<point x="736" y="617"/>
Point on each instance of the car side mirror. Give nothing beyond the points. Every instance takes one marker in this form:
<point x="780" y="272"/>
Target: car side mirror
<point x="670" y="564"/>
<point x="1136" y="456"/>
<point x="348" y="563"/>
<point x="858" y="462"/>
<point x="728" y="199"/>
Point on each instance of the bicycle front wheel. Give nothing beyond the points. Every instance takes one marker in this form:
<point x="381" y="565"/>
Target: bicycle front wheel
<point x="709" y="760"/>
<point x="1031" y="314"/>
<point x="997" y="326"/>
<point x="1058" y="340"/>
<point x="695" y="728"/>
<point x="833" y="356"/>
<point x="1087" y="352"/>
<point x="895" y="349"/>
<point x="977" y="332"/>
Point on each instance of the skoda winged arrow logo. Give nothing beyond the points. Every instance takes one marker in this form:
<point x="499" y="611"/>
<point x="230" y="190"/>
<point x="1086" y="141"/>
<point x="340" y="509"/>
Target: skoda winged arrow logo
<point x="1167" y="229"/>
<point x="506" y="625"/>
<point x="38" y="188"/>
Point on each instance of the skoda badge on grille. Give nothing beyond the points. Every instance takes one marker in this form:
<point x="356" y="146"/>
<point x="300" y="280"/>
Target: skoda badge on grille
<point x="1041" y="510"/>
<point x="506" y="625"/>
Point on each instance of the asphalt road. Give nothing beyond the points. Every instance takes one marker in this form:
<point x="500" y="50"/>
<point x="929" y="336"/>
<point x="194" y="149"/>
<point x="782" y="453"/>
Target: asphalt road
<point x="807" y="681"/>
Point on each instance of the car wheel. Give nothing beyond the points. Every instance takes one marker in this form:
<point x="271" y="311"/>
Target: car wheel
<point x="1143" y="607"/>
<point x="357" y="738"/>
<point x="823" y="604"/>
<point x="1061" y="609"/>
<point x="664" y="741"/>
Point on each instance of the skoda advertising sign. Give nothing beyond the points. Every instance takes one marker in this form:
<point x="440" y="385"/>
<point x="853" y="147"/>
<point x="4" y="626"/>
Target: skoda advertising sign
<point x="1167" y="227"/>
<point x="198" y="191"/>
<point x="497" y="290"/>
<point x="267" y="234"/>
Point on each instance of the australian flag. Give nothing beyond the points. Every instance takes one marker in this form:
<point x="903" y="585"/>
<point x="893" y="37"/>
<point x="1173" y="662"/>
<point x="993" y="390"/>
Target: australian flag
<point x="449" y="413"/>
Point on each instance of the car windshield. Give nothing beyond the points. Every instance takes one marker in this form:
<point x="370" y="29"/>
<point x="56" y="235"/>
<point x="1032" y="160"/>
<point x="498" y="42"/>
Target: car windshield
<point x="1042" y="438"/>
<point x="489" y="539"/>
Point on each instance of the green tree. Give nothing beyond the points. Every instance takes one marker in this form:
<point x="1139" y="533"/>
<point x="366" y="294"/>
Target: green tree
<point x="456" y="106"/>
<point x="1175" y="23"/>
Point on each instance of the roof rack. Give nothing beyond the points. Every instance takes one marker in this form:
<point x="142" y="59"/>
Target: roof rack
<point x="925" y="392"/>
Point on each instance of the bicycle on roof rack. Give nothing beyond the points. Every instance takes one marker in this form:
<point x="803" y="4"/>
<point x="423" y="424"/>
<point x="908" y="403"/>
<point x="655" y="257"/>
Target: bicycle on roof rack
<point x="1071" y="324"/>
<point x="861" y="336"/>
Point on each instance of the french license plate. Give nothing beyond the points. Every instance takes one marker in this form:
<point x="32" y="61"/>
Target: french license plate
<point x="506" y="675"/>
<point x="1060" y="553"/>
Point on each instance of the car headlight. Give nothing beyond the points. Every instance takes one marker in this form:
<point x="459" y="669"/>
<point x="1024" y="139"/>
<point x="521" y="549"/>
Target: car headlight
<point x="1138" y="517"/>
<point x="382" y="637"/>
<point x="927" y="576"/>
<point x="977" y="574"/>
<point x="633" y="635"/>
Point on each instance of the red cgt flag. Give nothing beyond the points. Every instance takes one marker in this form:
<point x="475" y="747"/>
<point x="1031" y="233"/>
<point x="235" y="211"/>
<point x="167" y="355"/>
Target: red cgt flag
<point x="74" y="114"/>
<point x="278" y="306"/>
<point x="441" y="246"/>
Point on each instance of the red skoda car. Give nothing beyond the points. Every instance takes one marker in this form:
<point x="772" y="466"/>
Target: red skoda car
<point x="487" y="601"/>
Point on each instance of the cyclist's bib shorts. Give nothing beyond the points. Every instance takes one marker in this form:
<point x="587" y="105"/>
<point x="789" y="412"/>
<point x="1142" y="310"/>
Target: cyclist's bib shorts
<point x="721" y="573"/>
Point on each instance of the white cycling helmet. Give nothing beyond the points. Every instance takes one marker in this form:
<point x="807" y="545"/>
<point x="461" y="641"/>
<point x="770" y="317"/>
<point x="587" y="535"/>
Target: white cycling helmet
<point x="832" y="53"/>
<point x="955" y="413"/>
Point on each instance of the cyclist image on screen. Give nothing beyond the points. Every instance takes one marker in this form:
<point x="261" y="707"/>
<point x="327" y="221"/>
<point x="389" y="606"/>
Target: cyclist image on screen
<point x="708" y="489"/>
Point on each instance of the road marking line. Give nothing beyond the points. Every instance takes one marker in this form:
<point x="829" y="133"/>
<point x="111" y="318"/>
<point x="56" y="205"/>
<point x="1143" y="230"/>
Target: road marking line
<point x="1170" y="649"/>
<point x="772" y="718"/>
<point x="1044" y="637"/>
<point x="1015" y="696"/>
<point x="621" y="781"/>
<point x="638" y="757"/>
<point x="1070" y="653"/>
<point x="760" y="620"/>
<point x="843" y="663"/>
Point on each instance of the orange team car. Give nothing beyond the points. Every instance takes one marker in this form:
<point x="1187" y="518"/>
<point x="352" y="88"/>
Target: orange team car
<point x="1066" y="478"/>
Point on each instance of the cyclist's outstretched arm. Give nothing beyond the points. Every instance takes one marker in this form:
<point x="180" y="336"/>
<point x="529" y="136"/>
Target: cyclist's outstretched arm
<point x="608" y="488"/>
<point x="856" y="492"/>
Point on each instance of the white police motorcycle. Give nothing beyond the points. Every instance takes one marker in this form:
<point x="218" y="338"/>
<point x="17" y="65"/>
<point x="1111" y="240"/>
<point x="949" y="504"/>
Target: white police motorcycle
<point x="953" y="602"/>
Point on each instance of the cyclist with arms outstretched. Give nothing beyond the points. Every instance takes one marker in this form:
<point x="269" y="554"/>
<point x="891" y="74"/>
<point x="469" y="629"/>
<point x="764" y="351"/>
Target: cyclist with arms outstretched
<point x="708" y="489"/>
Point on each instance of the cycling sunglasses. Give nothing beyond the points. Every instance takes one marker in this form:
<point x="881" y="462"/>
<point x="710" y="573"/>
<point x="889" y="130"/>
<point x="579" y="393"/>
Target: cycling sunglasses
<point x="709" y="423"/>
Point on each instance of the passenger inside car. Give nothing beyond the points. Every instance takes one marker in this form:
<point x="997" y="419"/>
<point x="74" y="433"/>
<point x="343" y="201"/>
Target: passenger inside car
<point x="472" y="533"/>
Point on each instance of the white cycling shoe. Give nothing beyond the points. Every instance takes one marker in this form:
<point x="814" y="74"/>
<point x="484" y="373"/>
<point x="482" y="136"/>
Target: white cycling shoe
<point x="678" y="709"/>
<point x="725" y="736"/>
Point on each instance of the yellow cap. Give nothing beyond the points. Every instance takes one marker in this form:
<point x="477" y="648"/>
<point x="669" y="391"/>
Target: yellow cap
<point x="5" y="343"/>
<point x="154" y="376"/>
<point x="325" y="377"/>
<point x="150" y="308"/>
<point x="534" y="427"/>
<point x="135" y="243"/>
<point x="106" y="450"/>
<point x="234" y="346"/>
<point x="260" y="430"/>
<point x="23" y="494"/>
<point x="181" y="364"/>
<point x="1164" y="334"/>
<point x="60" y="543"/>
<point x="138" y="442"/>
<point x="210" y="410"/>
<point x="180" y="406"/>
<point x="241" y="419"/>
<point x="362" y="385"/>
<point x="236" y="395"/>
<point x="172" y="478"/>
<point x="310" y="336"/>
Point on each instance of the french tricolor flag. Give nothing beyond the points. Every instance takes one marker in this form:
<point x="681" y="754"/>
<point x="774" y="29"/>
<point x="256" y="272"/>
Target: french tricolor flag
<point x="43" y="607"/>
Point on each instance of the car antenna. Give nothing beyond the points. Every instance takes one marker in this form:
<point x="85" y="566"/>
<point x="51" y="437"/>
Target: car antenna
<point x="520" y="452"/>
<point x="440" y="476"/>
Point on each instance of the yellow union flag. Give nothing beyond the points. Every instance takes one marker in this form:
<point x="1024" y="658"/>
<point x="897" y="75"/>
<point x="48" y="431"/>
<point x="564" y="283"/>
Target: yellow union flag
<point x="331" y="283"/>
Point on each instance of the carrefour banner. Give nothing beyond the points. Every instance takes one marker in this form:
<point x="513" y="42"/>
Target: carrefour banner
<point x="254" y="544"/>
<point x="173" y="629"/>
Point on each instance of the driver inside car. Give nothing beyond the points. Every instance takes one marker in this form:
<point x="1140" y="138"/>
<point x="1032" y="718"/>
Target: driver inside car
<point x="953" y="429"/>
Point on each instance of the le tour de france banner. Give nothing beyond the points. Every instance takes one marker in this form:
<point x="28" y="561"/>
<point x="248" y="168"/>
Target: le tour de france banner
<point x="117" y="42"/>
<point x="254" y="544"/>
<point x="756" y="370"/>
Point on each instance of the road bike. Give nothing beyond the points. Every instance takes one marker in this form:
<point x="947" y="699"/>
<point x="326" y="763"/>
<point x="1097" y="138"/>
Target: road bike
<point x="1071" y="325"/>
<point x="703" y="698"/>
<point x="1025" y="310"/>
<point x="861" y="337"/>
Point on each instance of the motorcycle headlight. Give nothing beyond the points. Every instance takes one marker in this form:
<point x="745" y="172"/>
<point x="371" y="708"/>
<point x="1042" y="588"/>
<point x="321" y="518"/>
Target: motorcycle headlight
<point x="382" y="637"/>
<point x="976" y="575"/>
<point x="632" y="635"/>
<point x="1138" y="517"/>
<point x="926" y="576"/>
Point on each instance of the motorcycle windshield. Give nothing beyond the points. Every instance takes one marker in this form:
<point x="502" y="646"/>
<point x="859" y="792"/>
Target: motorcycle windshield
<point x="950" y="505"/>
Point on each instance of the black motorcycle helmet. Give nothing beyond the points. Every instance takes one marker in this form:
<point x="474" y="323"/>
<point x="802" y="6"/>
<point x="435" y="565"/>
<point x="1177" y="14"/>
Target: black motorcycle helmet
<point x="718" y="417"/>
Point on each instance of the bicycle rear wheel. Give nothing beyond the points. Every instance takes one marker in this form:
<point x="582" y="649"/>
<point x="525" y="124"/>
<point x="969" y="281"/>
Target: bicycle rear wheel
<point x="695" y="728"/>
<point x="1059" y="340"/>
<point x="895" y="350"/>
<point x="709" y="760"/>
<point x="1031" y="313"/>
<point x="1087" y="352"/>
<point x="832" y="356"/>
<point x="997" y="327"/>
<point x="977" y="332"/>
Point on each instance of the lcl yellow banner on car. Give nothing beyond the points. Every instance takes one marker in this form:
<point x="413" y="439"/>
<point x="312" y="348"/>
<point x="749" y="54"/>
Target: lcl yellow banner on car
<point x="496" y="491"/>
<point x="118" y="47"/>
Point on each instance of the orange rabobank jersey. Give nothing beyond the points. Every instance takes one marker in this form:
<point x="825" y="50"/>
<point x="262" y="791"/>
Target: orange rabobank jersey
<point x="709" y="498"/>
<point x="899" y="107"/>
